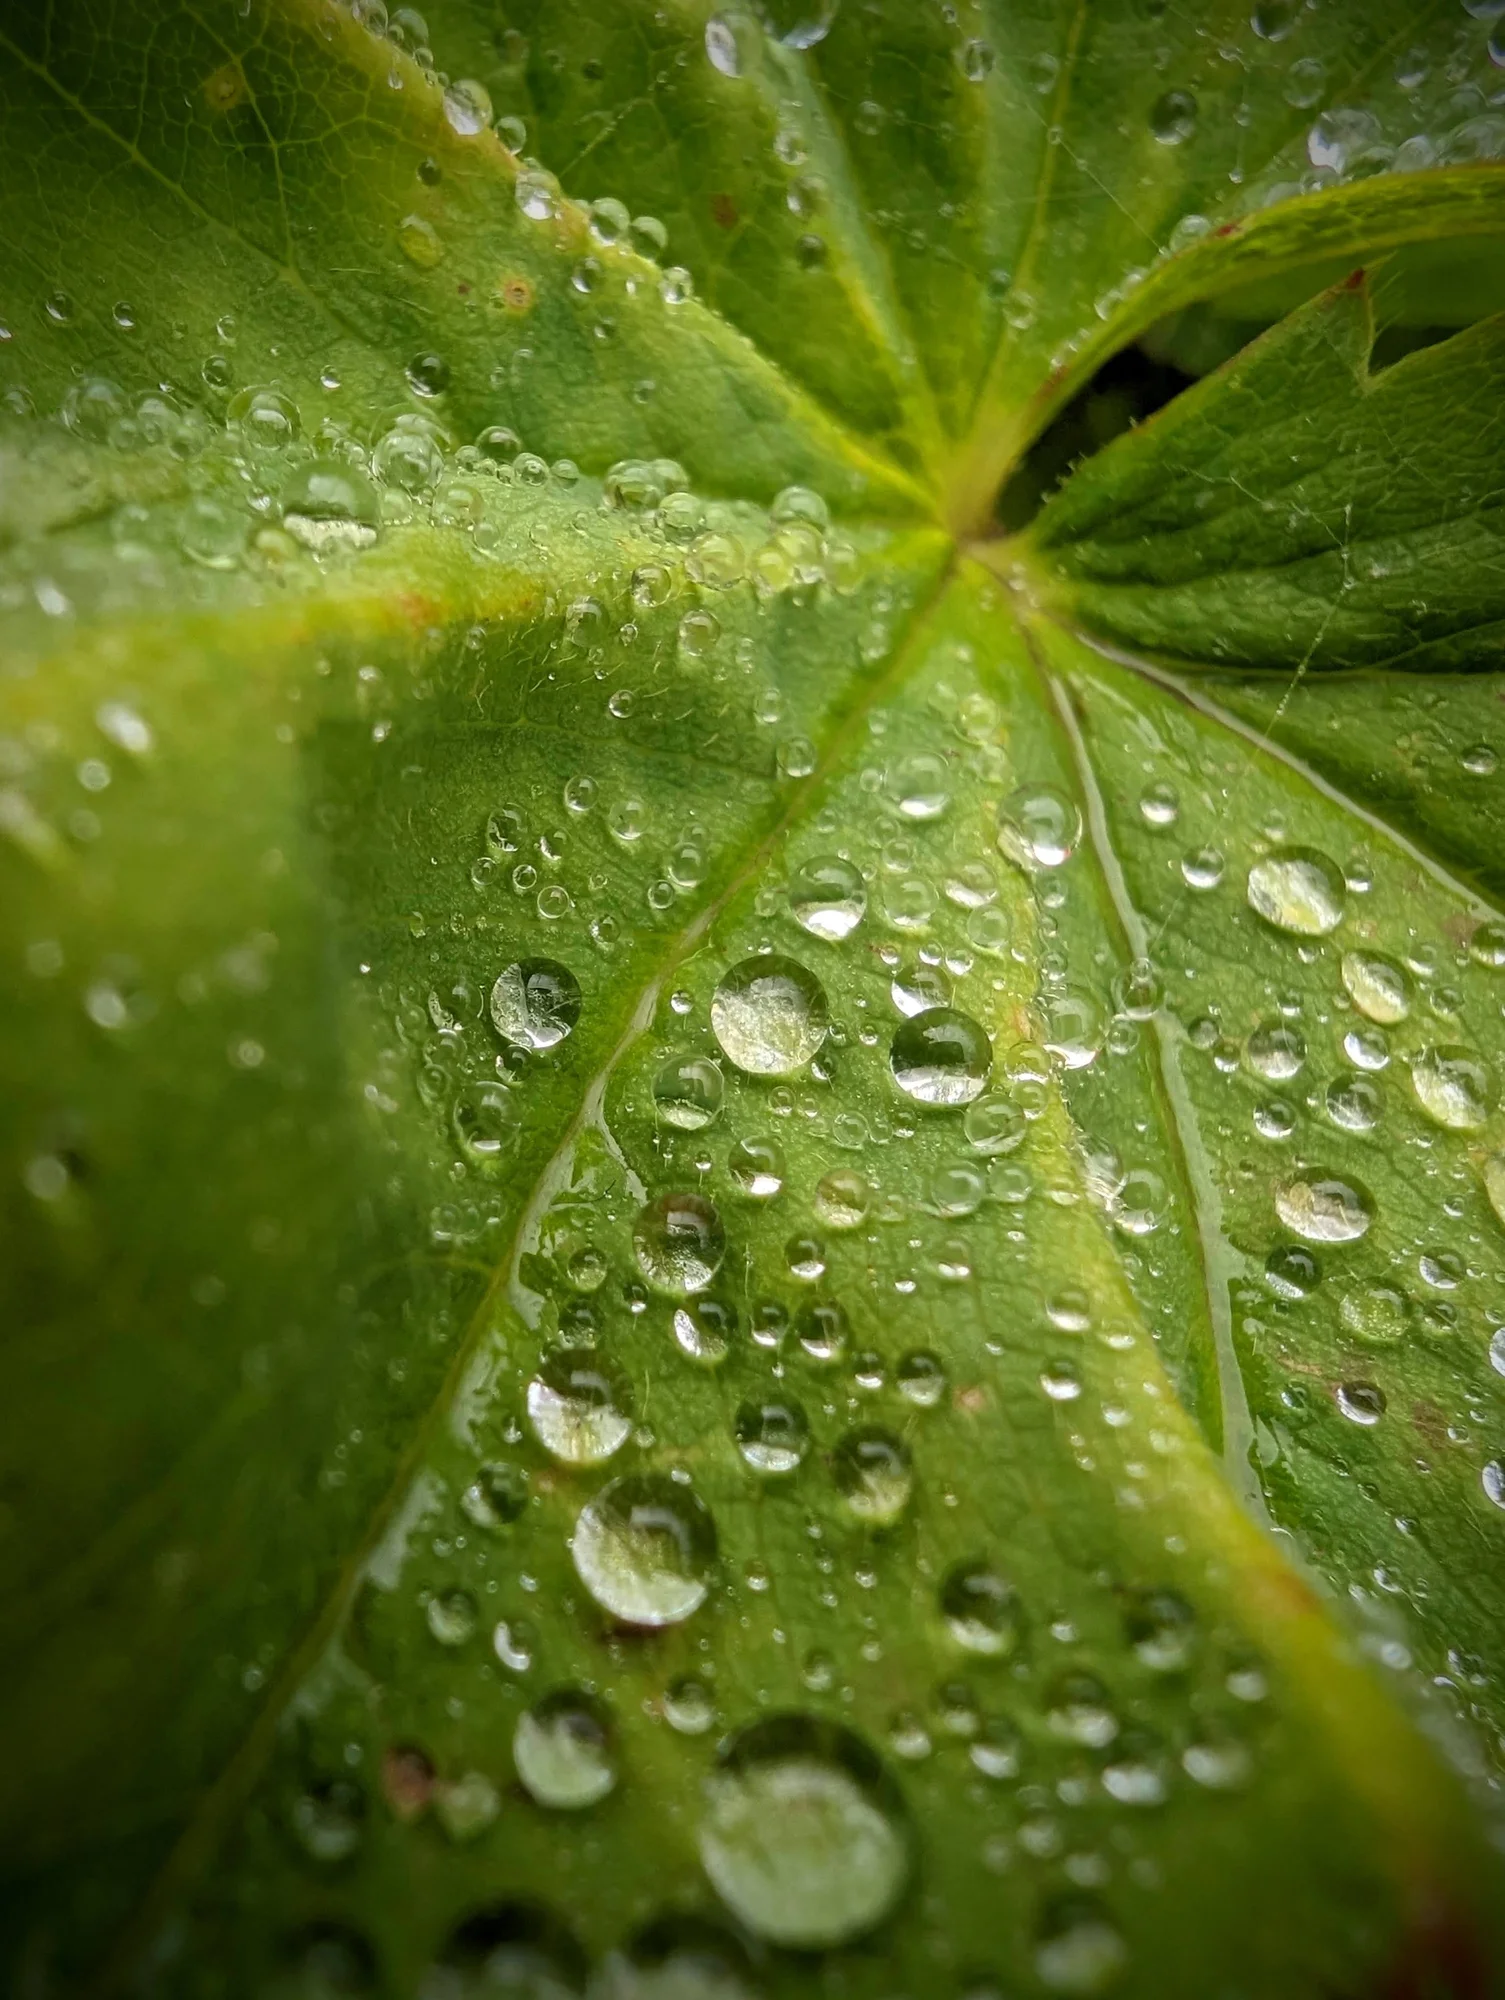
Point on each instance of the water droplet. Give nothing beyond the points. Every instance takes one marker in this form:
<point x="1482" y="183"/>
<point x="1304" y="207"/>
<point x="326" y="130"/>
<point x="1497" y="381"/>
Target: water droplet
<point x="917" y="985"/>
<point x="1378" y="1315"/>
<point x="1173" y="117"/>
<point x="941" y="1057"/>
<point x="994" y="1126"/>
<point x="1078" y="1952"/>
<point x="804" y="1836"/>
<point x="757" y="1168"/>
<point x="1453" y="1087"/>
<point x="769" y="1015"/>
<point x="688" y="1092"/>
<point x="1325" y="1211"/>
<point x="919" y="785"/>
<point x="427" y="374"/>
<point x="327" y="1820"/>
<point x="1377" y="986"/>
<point x="1160" y="805"/>
<point x="821" y="1328"/>
<point x="772" y="1436"/>
<point x="580" y="1406"/>
<point x="467" y="107"/>
<point x="1298" y="890"/>
<point x="921" y="1378"/>
<point x="496" y="1496"/>
<point x="842" y="1199"/>
<point x="688" y="1708"/>
<point x="1292" y="1273"/>
<point x="1072" y="1027"/>
<point x="1353" y="1103"/>
<point x="328" y="506"/>
<point x="1493" y="1172"/>
<point x="874" y="1475"/>
<point x="679" y="1243"/>
<point x="704" y="1329"/>
<point x="1361" y="1402"/>
<point x="1039" y="827"/>
<point x="828" y="897"/>
<point x="981" y="1610"/>
<point x="1202" y="868"/>
<point x="562" y="1750"/>
<point x="1492" y="1479"/>
<point x="420" y="242"/>
<point x="1276" y="1052"/>
<point x="452" y="1616"/>
<point x="644" y="1548"/>
<point x="535" y="1003"/>
<point x="1161" y="1628"/>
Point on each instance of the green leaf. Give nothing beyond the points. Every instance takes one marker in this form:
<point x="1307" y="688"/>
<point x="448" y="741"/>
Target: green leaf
<point x="751" y="1244"/>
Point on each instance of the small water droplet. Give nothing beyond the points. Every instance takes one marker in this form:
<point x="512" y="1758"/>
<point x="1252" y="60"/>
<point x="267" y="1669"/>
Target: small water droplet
<point x="981" y="1610"/>
<point x="1361" y="1402"/>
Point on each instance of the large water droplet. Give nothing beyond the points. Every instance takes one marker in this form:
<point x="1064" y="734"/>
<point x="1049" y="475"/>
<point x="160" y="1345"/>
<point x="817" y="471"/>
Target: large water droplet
<point x="644" y="1548"/>
<point x="1325" y="1211"/>
<point x="919" y="785"/>
<point x="679" y="1243"/>
<point x="941" y="1057"/>
<point x="1298" y="890"/>
<point x="1453" y="1087"/>
<point x="874" y="1475"/>
<point x="535" y="1003"/>
<point x="580" y="1406"/>
<point x="804" y="1835"/>
<point x="563" y="1753"/>
<point x="769" y="1015"/>
<point x="828" y="897"/>
<point x="981" y="1610"/>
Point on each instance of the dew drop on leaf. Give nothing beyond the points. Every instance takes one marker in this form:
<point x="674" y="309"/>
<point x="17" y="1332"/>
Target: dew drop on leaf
<point x="941" y="1058"/>
<point x="579" y="1406"/>
<point x="1453" y="1087"/>
<point x="562" y="1751"/>
<point x="803" y="1835"/>
<point x="1298" y="890"/>
<point x="688" y="1092"/>
<point x="679" y="1242"/>
<point x="828" y="897"/>
<point x="874" y="1475"/>
<point x="535" y="1003"/>
<point x="769" y="1015"/>
<point x="1039" y="827"/>
<point x="757" y="1168"/>
<point x="981" y="1610"/>
<point x="1325" y="1211"/>
<point x="772" y="1435"/>
<point x="645" y="1548"/>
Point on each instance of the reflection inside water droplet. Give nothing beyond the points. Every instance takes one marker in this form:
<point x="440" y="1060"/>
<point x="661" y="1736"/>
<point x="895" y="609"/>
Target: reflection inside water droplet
<point x="644" y="1548"/>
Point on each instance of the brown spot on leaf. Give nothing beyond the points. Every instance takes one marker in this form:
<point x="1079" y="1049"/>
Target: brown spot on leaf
<point x="973" y="1400"/>
<point x="515" y="295"/>
<point x="724" y="211"/>
<point x="407" y="1781"/>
